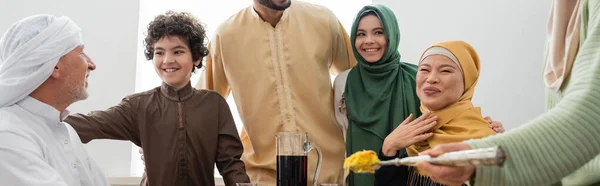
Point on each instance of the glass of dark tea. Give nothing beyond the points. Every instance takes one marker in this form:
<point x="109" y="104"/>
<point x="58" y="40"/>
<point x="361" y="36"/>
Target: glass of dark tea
<point x="292" y="159"/>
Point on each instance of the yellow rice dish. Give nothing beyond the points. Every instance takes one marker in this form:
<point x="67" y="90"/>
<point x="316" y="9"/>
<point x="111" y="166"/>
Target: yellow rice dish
<point x="362" y="161"/>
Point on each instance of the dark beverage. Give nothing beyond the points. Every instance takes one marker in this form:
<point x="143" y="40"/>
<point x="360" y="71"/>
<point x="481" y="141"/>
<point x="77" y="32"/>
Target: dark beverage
<point x="291" y="170"/>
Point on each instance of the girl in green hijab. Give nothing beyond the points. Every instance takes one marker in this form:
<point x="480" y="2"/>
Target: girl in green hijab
<point x="379" y="92"/>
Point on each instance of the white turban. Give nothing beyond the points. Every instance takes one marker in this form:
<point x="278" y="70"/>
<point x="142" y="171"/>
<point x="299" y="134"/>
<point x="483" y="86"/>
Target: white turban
<point x="30" y="50"/>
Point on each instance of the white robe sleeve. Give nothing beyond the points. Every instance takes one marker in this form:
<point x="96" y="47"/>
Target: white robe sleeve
<point x="90" y="173"/>
<point x="339" y="85"/>
<point x="22" y="161"/>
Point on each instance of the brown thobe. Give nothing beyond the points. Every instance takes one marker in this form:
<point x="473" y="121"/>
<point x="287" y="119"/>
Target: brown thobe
<point x="184" y="133"/>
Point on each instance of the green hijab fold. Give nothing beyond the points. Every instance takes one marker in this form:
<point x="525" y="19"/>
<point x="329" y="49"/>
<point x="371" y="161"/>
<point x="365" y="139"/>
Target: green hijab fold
<point x="380" y="95"/>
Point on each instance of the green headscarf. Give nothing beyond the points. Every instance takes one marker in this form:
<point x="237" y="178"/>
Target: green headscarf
<point x="380" y="95"/>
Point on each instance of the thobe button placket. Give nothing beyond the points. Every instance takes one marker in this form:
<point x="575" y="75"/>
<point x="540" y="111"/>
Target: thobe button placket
<point x="74" y="166"/>
<point x="66" y="142"/>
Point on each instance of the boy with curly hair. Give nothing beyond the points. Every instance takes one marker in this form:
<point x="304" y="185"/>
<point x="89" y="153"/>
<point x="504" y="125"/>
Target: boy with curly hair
<point x="184" y="131"/>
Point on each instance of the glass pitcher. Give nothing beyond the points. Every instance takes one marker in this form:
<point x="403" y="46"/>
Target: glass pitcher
<point x="292" y="159"/>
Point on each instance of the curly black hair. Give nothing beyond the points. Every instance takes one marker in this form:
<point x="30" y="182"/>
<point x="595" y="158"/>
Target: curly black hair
<point x="180" y="24"/>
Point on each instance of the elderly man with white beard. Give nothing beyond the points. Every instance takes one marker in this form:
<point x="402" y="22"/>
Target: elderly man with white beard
<point x="43" y="70"/>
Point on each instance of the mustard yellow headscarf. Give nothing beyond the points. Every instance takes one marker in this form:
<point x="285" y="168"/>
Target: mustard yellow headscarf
<point x="461" y="120"/>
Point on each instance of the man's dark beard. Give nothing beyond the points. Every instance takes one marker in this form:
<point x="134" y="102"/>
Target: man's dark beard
<point x="269" y="4"/>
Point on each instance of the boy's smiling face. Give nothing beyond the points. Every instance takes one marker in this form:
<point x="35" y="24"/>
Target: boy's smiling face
<point x="173" y="61"/>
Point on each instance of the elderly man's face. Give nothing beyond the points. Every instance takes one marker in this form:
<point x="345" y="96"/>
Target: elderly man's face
<point x="77" y="68"/>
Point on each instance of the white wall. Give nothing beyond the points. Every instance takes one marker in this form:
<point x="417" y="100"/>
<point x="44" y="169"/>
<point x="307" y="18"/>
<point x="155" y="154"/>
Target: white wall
<point x="509" y="36"/>
<point x="110" y="35"/>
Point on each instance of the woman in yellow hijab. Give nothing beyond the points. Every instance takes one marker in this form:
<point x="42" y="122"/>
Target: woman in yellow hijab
<point x="447" y="74"/>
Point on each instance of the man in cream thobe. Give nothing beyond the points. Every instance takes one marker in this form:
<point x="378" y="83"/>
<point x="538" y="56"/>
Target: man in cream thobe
<point x="278" y="70"/>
